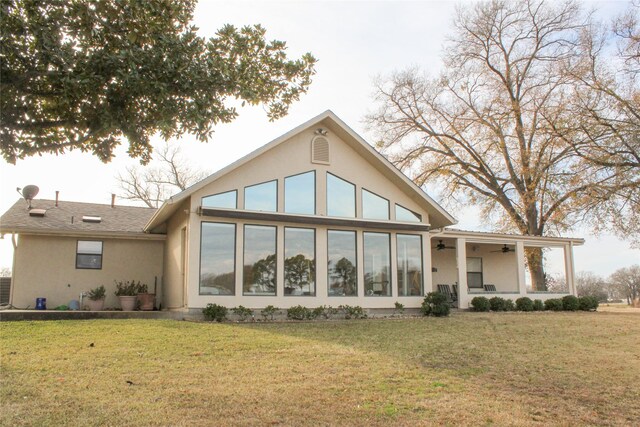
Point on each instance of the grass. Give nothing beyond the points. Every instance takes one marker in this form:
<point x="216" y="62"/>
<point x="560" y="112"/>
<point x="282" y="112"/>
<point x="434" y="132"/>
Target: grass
<point x="471" y="369"/>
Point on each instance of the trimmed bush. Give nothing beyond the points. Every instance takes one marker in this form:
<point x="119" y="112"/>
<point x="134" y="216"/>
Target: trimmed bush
<point x="497" y="304"/>
<point x="215" y="312"/>
<point x="509" y="305"/>
<point x="480" y="304"/>
<point x="588" y="303"/>
<point x="269" y="311"/>
<point x="298" y="312"/>
<point x="524" y="304"/>
<point x="435" y="304"/>
<point x="538" y="305"/>
<point x="242" y="312"/>
<point x="553" y="304"/>
<point x="570" y="303"/>
<point x="355" y="312"/>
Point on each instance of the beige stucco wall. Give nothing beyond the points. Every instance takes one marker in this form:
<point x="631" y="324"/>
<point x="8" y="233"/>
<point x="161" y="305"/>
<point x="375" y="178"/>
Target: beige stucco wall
<point x="45" y="266"/>
<point x="175" y="257"/>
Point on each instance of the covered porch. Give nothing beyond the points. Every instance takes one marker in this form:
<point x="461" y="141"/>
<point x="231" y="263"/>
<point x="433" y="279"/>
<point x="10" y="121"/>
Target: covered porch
<point x="469" y="264"/>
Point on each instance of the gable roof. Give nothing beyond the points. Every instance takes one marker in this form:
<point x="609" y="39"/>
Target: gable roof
<point x="437" y="215"/>
<point x="66" y="219"/>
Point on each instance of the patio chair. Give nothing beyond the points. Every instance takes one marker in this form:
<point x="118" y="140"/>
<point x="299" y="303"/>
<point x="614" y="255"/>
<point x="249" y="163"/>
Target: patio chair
<point x="445" y="289"/>
<point x="454" y="293"/>
<point x="490" y="288"/>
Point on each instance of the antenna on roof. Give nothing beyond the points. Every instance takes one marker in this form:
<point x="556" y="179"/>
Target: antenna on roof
<point x="28" y="193"/>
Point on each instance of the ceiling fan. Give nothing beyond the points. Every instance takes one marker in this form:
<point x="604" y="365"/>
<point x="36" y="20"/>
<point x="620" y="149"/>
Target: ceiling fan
<point x="505" y="249"/>
<point x="441" y="246"/>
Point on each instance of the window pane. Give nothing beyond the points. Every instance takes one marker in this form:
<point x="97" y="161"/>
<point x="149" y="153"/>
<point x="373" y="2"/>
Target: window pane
<point x="474" y="264"/>
<point x="300" y="194"/>
<point x="89" y="261"/>
<point x="409" y="265"/>
<point x="262" y="197"/>
<point x="404" y="214"/>
<point x="217" y="259"/>
<point x="474" y="272"/>
<point x="299" y="261"/>
<point x="374" y="206"/>
<point x="474" y="280"/>
<point x="223" y="200"/>
<point x="343" y="278"/>
<point x="377" y="264"/>
<point x="259" y="273"/>
<point x="341" y="197"/>
<point x="89" y="247"/>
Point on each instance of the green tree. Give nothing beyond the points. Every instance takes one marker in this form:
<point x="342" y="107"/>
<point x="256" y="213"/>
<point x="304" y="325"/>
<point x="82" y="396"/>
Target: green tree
<point x="84" y="75"/>
<point x="299" y="271"/>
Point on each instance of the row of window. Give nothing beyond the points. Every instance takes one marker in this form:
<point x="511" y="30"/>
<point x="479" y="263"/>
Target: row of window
<point x="259" y="270"/>
<point x="299" y="198"/>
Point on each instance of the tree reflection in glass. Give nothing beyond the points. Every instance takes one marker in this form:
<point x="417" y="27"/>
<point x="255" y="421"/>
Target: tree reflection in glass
<point x="299" y="262"/>
<point x="259" y="276"/>
<point x="377" y="264"/>
<point x="342" y="271"/>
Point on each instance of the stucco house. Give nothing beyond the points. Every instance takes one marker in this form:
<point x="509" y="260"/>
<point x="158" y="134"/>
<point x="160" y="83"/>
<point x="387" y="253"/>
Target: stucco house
<point x="315" y="217"/>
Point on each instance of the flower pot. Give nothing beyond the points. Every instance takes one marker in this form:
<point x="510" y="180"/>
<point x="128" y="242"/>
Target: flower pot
<point x="128" y="302"/>
<point x="95" y="305"/>
<point x="146" y="301"/>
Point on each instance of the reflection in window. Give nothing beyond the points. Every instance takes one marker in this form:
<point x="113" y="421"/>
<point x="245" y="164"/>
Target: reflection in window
<point x="342" y="270"/>
<point x="217" y="259"/>
<point x="299" y="261"/>
<point x="341" y="197"/>
<point x="374" y="206"/>
<point x="223" y="200"/>
<point x="89" y="254"/>
<point x="409" y="265"/>
<point x="377" y="264"/>
<point x="300" y="194"/>
<point x="259" y="271"/>
<point x="262" y="197"/>
<point x="474" y="272"/>
<point x="404" y="214"/>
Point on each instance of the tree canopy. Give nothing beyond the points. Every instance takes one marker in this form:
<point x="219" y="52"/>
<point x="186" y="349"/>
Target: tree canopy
<point x="84" y="75"/>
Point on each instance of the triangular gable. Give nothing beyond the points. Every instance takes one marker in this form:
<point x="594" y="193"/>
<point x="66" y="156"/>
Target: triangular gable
<point x="438" y="216"/>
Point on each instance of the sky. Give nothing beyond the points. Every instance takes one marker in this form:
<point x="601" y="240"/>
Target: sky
<point x="355" y="42"/>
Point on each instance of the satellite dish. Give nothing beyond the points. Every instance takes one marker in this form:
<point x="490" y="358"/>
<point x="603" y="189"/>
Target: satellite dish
<point x="28" y="193"/>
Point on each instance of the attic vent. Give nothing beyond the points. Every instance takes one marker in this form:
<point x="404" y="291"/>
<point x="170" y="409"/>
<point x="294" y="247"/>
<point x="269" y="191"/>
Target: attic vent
<point x="90" y="218"/>
<point x="37" y="212"/>
<point x="320" y="150"/>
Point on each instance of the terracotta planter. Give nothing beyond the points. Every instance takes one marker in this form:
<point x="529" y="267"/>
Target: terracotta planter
<point x="146" y="301"/>
<point x="128" y="302"/>
<point x="95" y="305"/>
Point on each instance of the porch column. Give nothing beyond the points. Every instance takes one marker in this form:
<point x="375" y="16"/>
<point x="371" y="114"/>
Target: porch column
<point x="522" y="283"/>
<point x="428" y="274"/>
<point x="568" y="269"/>
<point x="461" y="259"/>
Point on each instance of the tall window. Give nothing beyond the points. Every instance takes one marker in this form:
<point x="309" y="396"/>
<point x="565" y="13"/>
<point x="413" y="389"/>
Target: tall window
<point x="300" y="194"/>
<point x="262" y="197"/>
<point x="89" y="254"/>
<point x="299" y="261"/>
<point x="342" y="262"/>
<point x="377" y="264"/>
<point x="217" y="258"/>
<point x="404" y="214"/>
<point x="474" y="272"/>
<point x="226" y="200"/>
<point x="341" y="197"/>
<point x="259" y="270"/>
<point x="409" y="265"/>
<point x="374" y="206"/>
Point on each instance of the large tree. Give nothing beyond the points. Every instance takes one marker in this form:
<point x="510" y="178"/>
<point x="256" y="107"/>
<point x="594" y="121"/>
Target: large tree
<point x="485" y="130"/>
<point x="627" y="282"/>
<point x="79" y="74"/>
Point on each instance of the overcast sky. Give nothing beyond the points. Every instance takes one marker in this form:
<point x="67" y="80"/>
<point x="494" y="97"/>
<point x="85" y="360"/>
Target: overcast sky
<point x="354" y="41"/>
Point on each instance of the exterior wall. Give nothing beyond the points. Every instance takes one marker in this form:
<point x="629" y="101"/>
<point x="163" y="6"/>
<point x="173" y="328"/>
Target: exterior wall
<point x="175" y="259"/>
<point x="45" y="266"/>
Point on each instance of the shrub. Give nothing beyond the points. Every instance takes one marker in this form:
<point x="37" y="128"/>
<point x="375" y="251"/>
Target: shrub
<point x="399" y="308"/>
<point x="324" y="311"/>
<point x="215" y="312"/>
<point x="355" y="312"/>
<point x="509" y="305"/>
<point x="435" y="304"/>
<point x="480" y="304"/>
<point x="570" y="303"/>
<point x="588" y="303"/>
<point x="538" y="305"/>
<point x="128" y="288"/>
<point x="269" y="311"/>
<point x="553" y="304"/>
<point x="97" y="294"/>
<point x="524" y="304"/>
<point x="242" y="312"/>
<point x="497" y="304"/>
<point x="298" y="312"/>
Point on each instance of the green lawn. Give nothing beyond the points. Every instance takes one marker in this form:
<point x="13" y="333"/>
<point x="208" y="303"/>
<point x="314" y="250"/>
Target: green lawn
<point x="472" y="369"/>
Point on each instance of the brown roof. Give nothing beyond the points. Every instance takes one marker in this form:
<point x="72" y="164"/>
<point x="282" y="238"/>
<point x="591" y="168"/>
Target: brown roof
<point x="66" y="218"/>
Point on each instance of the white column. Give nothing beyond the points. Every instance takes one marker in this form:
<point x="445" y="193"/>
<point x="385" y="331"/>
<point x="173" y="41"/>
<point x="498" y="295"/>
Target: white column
<point x="461" y="259"/>
<point x="427" y="280"/>
<point x="522" y="283"/>
<point x="568" y="269"/>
